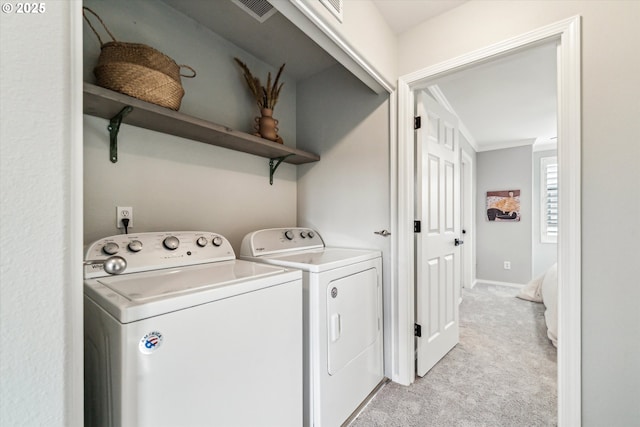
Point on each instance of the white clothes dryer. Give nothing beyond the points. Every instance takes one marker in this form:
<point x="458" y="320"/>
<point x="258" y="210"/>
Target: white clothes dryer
<point x="342" y="290"/>
<point x="180" y="333"/>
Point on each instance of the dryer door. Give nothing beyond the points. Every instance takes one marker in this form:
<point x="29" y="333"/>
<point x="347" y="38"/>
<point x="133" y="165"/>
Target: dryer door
<point x="353" y="321"/>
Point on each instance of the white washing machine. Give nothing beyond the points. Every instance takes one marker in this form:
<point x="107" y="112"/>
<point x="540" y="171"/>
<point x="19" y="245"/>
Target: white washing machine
<point x="342" y="288"/>
<point x="180" y="333"/>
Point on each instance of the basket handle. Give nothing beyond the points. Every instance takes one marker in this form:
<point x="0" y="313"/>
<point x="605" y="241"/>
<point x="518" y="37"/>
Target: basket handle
<point x="192" y="70"/>
<point x="101" y="21"/>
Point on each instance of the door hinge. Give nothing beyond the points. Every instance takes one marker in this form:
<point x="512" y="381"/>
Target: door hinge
<point x="417" y="227"/>
<point x="417" y="330"/>
<point x="417" y="122"/>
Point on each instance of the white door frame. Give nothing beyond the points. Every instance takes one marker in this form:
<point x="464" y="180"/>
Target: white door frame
<point x="74" y="317"/>
<point x="467" y="215"/>
<point x="567" y="33"/>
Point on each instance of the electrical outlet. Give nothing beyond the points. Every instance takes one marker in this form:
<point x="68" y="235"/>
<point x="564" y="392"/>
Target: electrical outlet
<point x="507" y="265"/>
<point x="124" y="212"/>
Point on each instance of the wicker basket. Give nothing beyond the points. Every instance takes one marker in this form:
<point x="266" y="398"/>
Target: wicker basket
<point x="138" y="70"/>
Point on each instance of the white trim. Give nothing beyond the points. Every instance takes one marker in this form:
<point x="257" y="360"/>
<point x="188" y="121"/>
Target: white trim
<point x="545" y="144"/>
<point x="569" y="247"/>
<point x="469" y="223"/>
<point x="474" y="283"/>
<point x="315" y="27"/>
<point x="570" y="234"/>
<point x="439" y="96"/>
<point x="404" y="370"/>
<point x="74" y="317"/>
<point x="496" y="283"/>
<point x="391" y="365"/>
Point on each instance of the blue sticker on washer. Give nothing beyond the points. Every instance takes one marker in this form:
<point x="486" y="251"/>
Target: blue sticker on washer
<point x="150" y="342"/>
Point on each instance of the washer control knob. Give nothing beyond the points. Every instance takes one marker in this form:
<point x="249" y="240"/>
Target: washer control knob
<point x="135" y="246"/>
<point x="288" y="234"/>
<point x="171" y="243"/>
<point x="303" y="234"/>
<point x="115" y="265"/>
<point x="111" y="248"/>
<point x="217" y="241"/>
<point x="202" y="241"/>
<point x="311" y="234"/>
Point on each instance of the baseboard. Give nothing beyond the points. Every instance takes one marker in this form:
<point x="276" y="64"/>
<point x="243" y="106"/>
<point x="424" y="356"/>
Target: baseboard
<point x="493" y="282"/>
<point x="365" y="402"/>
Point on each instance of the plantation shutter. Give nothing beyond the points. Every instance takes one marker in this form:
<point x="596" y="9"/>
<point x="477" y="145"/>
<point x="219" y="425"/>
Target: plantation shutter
<point x="549" y="187"/>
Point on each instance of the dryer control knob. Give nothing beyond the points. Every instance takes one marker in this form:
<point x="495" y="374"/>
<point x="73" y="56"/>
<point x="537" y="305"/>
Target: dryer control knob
<point x="202" y="241"/>
<point x="111" y="248"/>
<point x="135" y="246"/>
<point x="288" y="234"/>
<point x="311" y="234"/>
<point x="217" y="241"/>
<point x="171" y="243"/>
<point x="303" y="234"/>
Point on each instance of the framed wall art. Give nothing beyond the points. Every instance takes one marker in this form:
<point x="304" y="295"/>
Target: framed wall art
<point x="503" y="205"/>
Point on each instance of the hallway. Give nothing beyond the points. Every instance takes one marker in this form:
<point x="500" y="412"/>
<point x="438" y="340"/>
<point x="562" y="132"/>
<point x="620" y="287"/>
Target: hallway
<point x="502" y="373"/>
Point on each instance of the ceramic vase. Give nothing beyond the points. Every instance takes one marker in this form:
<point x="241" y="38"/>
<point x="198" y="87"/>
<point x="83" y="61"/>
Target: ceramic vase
<point x="267" y="126"/>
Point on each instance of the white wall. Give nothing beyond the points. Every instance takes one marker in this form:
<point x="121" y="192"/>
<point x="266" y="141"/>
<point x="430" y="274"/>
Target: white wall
<point x="610" y="93"/>
<point x="173" y="183"/>
<point x="346" y="195"/>
<point x="366" y="31"/>
<point x="39" y="366"/>
<point x="364" y="36"/>
<point x="507" y="169"/>
<point x="544" y="254"/>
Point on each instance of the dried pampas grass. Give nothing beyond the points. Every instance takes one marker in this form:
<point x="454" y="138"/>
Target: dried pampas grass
<point x="265" y="96"/>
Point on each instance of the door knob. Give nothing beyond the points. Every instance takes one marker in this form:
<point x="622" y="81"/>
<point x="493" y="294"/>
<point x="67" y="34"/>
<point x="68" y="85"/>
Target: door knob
<point x="383" y="233"/>
<point x="458" y="242"/>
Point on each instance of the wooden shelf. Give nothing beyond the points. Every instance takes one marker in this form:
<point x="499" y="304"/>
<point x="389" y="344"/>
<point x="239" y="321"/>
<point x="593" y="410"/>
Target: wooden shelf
<point x="105" y="103"/>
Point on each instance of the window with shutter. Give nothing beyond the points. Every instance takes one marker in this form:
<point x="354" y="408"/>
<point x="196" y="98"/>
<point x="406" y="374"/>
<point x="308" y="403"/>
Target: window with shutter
<point x="549" y="199"/>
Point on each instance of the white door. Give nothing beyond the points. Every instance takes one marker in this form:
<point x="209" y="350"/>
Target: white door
<point x="467" y="225"/>
<point x="437" y="255"/>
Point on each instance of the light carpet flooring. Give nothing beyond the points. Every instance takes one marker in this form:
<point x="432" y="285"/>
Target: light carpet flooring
<point x="502" y="373"/>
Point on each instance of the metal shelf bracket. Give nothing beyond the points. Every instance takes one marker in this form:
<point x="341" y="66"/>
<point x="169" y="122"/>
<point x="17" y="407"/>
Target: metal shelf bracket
<point x="272" y="167"/>
<point x="114" y="128"/>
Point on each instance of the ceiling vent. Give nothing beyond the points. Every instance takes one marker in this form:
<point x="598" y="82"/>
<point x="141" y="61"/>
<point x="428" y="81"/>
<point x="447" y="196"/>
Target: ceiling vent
<point x="335" y="7"/>
<point x="259" y="9"/>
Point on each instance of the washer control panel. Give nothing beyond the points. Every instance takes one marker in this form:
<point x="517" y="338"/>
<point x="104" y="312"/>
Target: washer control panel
<point x="280" y="240"/>
<point x="154" y="251"/>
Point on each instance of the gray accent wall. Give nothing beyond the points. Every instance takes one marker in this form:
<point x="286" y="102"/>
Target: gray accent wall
<point x="508" y="169"/>
<point x="173" y="183"/>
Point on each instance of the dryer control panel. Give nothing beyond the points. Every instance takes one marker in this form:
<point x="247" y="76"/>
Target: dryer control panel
<point x="280" y="240"/>
<point x="132" y="253"/>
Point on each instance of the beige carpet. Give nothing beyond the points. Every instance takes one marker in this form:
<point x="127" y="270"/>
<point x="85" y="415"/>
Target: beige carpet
<point x="502" y="373"/>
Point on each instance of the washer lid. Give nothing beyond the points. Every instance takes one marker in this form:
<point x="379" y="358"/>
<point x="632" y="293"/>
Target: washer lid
<point x="320" y="260"/>
<point x="141" y="295"/>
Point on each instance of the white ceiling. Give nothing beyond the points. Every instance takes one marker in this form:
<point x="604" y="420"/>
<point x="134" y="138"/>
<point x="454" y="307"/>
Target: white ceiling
<point x="509" y="99"/>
